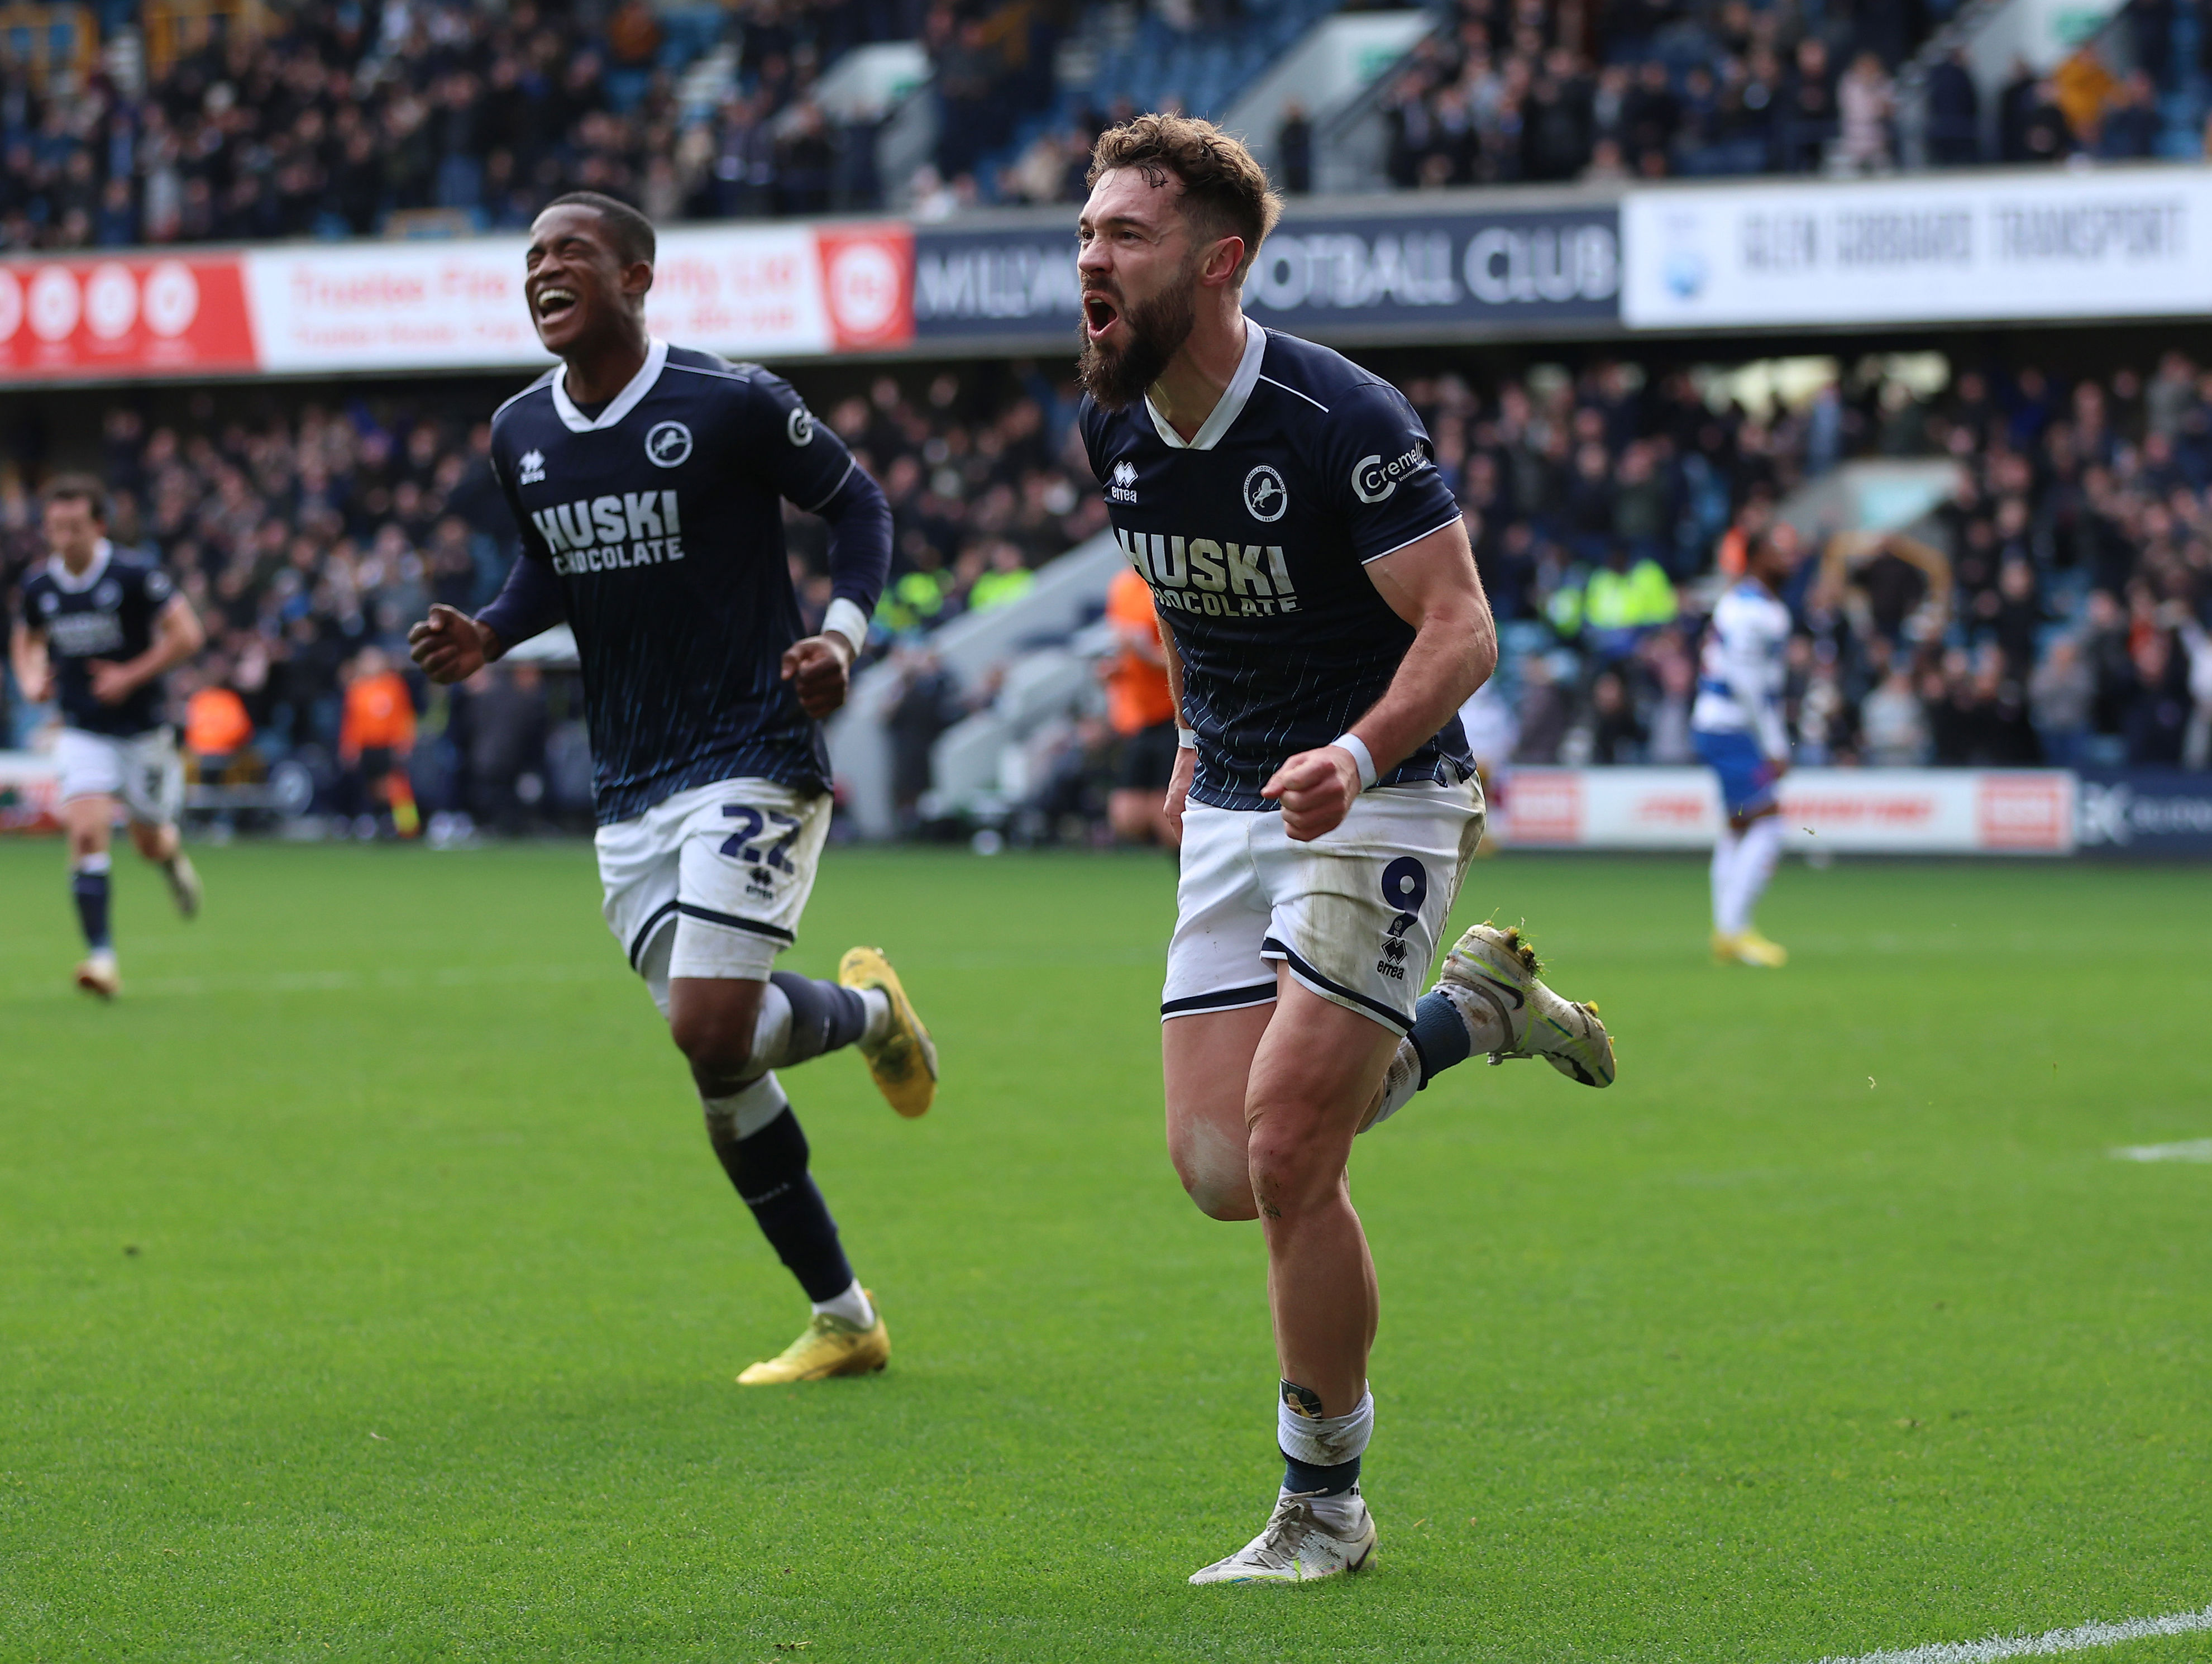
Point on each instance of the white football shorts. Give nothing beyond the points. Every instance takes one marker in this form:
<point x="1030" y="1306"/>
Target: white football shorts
<point x="142" y="770"/>
<point x="726" y="869"/>
<point x="1356" y="914"/>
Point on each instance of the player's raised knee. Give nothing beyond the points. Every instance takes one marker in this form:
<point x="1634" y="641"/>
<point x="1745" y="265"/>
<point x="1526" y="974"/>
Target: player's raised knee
<point x="1220" y="1191"/>
<point x="714" y="1027"/>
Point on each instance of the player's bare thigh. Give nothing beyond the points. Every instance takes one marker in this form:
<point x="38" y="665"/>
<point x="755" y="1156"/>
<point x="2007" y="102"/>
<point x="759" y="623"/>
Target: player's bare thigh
<point x="1206" y="1060"/>
<point x="1295" y="1073"/>
<point x="89" y="821"/>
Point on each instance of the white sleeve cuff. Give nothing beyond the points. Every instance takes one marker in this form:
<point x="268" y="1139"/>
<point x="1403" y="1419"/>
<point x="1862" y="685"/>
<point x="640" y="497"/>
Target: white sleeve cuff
<point x="846" y="617"/>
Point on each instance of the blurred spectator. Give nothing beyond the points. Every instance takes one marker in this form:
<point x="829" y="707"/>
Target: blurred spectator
<point x="2059" y="693"/>
<point x="376" y="741"/>
<point x="506" y="751"/>
<point x="1142" y="712"/>
<point x="216" y="729"/>
<point x="1863" y="103"/>
<point x="330" y="119"/>
<point x="1953" y="112"/>
<point x="1294" y="151"/>
<point x="1893" y="728"/>
<point x="926" y="702"/>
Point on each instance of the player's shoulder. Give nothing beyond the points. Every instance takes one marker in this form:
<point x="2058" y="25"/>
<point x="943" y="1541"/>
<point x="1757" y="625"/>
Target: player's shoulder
<point x="691" y="373"/>
<point x="535" y="400"/>
<point x="142" y="569"/>
<point x="1321" y="382"/>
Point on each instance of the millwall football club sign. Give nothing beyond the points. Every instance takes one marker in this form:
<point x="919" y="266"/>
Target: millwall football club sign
<point x="1424" y="275"/>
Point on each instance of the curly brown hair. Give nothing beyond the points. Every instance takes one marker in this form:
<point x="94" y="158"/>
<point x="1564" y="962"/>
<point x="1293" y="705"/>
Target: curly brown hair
<point x="1225" y="191"/>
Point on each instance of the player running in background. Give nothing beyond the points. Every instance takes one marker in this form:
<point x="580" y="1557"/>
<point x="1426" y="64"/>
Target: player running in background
<point x="101" y="627"/>
<point x="1142" y="711"/>
<point x="647" y="482"/>
<point x="1737" y="726"/>
<point x="1325" y="624"/>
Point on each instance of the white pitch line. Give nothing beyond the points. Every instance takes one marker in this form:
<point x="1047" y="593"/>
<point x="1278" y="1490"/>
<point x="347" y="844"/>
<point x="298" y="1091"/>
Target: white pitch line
<point x="2193" y="1150"/>
<point x="2038" y="1646"/>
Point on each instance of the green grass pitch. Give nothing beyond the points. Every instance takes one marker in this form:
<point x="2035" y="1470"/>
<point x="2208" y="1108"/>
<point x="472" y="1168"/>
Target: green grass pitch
<point x="367" y="1291"/>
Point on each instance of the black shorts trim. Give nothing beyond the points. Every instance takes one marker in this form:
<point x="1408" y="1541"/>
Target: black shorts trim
<point x="639" y="942"/>
<point x="1222" y="999"/>
<point x="773" y="932"/>
<point x="1270" y="948"/>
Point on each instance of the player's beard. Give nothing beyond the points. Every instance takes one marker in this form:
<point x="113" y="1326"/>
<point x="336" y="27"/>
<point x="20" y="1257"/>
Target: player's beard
<point x="1157" y="329"/>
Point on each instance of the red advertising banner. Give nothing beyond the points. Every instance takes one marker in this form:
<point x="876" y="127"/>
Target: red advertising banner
<point x="122" y="316"/>
<point x="867" y="284"/>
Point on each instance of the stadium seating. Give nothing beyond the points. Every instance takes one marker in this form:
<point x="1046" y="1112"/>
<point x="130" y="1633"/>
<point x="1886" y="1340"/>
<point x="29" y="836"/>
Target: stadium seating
<point x="2062" y="619"/>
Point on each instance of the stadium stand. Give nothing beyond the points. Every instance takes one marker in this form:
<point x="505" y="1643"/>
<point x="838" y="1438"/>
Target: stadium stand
<point x="244" y="122"/>
<point x="2052" y="606"/>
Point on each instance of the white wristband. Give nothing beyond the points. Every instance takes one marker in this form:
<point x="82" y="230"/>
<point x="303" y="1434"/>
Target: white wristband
<point x="1362" y="758"/>
<point x="1186" y="738"/>
<point x="846" y="617"/>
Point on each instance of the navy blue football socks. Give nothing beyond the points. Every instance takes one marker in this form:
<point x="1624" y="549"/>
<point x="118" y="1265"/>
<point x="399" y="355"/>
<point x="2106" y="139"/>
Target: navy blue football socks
<point x="90" y="886"/>
<point x="1304" y="1478"/>
<point x="823" y="1016"/>
<point x="1440" y="1035"/>
<point x="769" y="1171"/>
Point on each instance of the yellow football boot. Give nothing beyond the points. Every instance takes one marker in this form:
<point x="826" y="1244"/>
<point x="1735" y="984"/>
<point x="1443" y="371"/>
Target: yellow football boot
<point x="830" y="1346"/>
<point x="904" y="1060"/>
<point x="1750" y="948"/>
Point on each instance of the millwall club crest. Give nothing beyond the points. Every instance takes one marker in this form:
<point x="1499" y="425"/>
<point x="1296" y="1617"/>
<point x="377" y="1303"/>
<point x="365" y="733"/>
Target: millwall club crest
<point x="1122" y="482"/>
<point x="1264" y="497"/>
<point x="533" y="468"/>
<point x="668" y="445"/>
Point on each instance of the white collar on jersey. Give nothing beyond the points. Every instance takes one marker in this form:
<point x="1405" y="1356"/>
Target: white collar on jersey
<point x="1232" y="397"/>
<point x="656" y="359"/>
<point x="76" y="583"/>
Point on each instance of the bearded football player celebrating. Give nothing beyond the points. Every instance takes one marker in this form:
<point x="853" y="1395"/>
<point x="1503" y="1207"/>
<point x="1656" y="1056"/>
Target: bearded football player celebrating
<point x="647" y="483"/>
<point x="101" y="627"/>
<point x="1325" y="624"/>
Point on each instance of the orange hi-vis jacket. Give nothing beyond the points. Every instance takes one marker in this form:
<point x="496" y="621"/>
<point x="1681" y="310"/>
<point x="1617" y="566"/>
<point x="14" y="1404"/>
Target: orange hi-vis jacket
<point x="378" y="715"/>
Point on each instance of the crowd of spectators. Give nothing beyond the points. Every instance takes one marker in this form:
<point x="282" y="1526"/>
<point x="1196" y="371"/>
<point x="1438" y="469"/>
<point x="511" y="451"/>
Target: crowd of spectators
<point x="2051" y="608"/>
<point x="1726" y="86"/>
<point x="311" y="535"/>
<point x="338" y="116"/>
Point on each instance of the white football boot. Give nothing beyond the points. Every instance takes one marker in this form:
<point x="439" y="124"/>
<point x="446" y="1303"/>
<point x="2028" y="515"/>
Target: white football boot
<point x="183" y="884"/>
<point x="1498" y="966"/>
<point x="1296" y="1547"/>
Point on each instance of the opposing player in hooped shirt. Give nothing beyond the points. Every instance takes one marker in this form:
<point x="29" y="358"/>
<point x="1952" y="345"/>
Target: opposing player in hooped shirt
<point x="101" y="627"/>
<point x="1324" y="624"/>
<point x="649" y="483"/>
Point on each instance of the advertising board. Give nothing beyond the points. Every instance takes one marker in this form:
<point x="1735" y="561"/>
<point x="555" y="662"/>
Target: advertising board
<point x="133" y="315"/>
<point x="1448" y="267"/>
<point x="1843" y="811"/>
<point x="2144" y="811"/>
<point x="2120" y="242"/>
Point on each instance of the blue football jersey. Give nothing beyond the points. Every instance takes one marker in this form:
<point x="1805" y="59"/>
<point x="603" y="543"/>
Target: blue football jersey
<point x="1253" y="538"/>
<point x="107" y="614"/>
<point x="662" y="517"/>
